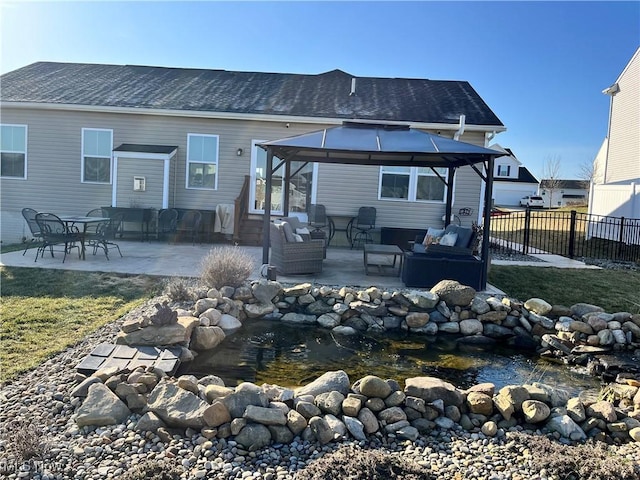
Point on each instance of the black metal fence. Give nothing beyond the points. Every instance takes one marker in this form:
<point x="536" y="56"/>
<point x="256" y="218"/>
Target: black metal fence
<point x="570" y="234"/>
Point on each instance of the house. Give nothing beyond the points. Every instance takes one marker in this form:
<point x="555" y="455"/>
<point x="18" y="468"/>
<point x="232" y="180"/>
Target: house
<point x="512" y="180"/>
<point x="563" y="193"/>
<point x="80" y="136"/>
<point x="616" y="188"/>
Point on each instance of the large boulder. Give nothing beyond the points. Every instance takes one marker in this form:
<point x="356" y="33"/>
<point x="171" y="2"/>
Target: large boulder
<point x="373" y="386"/>
<point x="453" y="293"/>
<point x="206" y="338"/>
<point x="265" y="290"/>
<point x="254" y="436"/>
<point x="101" y="407"/>
<point x="177" y="407"/>
<point x="159" y="335"/>
<point x="330" y="381"/>
<point x="245" y="394"/>
<point x="537" y="305"/>
<point x="566" y="428"/>
<point x="431" y="388"/>
<point x="265" y="416"/>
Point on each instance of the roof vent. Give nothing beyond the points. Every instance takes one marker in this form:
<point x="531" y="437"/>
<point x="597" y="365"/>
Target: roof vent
<point x="353" y="87"/>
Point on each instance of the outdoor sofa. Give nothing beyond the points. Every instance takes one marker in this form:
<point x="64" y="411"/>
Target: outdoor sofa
<point x="428" y="263"/>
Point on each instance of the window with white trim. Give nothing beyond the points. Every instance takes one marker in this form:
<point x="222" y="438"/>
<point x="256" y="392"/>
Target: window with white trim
<point x="202" y="161"/>
<point x="412" y="184"/>
<point x="97" y="146"/>
<point x="504" y="170"/>
<point x="13" y="151"/>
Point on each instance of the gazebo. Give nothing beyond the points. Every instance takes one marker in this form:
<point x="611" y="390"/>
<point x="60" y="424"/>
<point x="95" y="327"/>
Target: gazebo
<point x="355" y="143"/>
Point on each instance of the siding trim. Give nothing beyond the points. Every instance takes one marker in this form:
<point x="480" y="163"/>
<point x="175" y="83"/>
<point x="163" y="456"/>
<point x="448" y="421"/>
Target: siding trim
<point x="244" y="116"/>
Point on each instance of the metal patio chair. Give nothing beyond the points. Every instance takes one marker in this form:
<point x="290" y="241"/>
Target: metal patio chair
<point x="55" y="232"/>
<point x="167" y="222"/>
<point x="105" y="235"/>
<point x="362" y="225"/>
<point x="189" y="225"/>
<point x="29" y="215"/>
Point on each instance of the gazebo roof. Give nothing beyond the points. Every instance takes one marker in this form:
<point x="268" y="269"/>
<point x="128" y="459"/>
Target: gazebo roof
<point x="378" y="144"/>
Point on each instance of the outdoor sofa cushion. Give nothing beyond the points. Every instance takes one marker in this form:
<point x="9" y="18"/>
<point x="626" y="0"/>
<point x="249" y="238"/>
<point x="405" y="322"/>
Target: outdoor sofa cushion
<point x="463" y="244"/>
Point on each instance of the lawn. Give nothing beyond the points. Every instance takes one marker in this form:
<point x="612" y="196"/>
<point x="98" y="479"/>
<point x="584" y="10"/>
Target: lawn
<point x="44" y="311"/>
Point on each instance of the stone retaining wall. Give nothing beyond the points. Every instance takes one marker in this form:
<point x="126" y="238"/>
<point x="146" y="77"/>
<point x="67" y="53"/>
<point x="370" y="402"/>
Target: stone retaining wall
<point x="332" y="407"/>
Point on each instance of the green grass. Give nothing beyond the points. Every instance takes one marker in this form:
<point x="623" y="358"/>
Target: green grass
<point x="45" y="311"/>
<point x="613" y="290"/>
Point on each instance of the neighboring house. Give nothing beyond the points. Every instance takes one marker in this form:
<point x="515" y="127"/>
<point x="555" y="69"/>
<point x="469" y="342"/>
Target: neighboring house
<point x="563" y="193"/>
<point x="79" y="136"/>
<point x="512" y="181"/>
<point x="616" y="188"/>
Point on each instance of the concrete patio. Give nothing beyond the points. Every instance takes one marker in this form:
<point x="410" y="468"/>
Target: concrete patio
<point x="342" y="266"/>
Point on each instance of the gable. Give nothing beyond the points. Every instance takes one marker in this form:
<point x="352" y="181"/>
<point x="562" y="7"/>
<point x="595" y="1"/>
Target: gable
<point x="329" y="95"/>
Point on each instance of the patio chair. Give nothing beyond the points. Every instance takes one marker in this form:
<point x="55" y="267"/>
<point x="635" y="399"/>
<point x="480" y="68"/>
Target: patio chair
<point x="291" y="255"/>
<point x="55" y="232"/>
<point x="105" y="235"/>
<point x="189" y="225"/>
<point x="167" y="222"/>
<point x="363" y="224"/>
<point x="29" y="215"/>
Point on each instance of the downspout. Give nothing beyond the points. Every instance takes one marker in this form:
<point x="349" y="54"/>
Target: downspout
<point x="460" y="131"/>
<point x="488" y="137"/>
<point x="611" y="91"/>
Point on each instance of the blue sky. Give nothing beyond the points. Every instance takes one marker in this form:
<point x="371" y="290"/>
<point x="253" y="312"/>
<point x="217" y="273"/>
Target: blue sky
<point x="540" y="66"/>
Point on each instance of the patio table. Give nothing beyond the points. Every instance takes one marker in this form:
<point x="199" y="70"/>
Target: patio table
<point x="386" y="251"/>
<point x="84" y="221"/>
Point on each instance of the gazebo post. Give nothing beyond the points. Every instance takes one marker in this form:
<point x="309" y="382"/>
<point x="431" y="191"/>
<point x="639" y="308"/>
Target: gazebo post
<point x="486" y="222"/>
<point x="266" y="220"/>
<point x="447" y="212"/>
<point x="286" y="187"/>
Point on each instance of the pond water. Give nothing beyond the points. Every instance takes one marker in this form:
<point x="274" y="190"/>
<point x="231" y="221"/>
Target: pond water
<point x="264" y="351"/>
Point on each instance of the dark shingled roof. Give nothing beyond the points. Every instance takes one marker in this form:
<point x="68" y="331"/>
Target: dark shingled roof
<point x="524" y="176"/>
<point x="323" y="95"/>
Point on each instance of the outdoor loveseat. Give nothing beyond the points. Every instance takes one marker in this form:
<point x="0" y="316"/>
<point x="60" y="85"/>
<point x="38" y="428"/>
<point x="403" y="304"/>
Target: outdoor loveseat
<point x="431" y="260"/>
<point x="293" y="252"/>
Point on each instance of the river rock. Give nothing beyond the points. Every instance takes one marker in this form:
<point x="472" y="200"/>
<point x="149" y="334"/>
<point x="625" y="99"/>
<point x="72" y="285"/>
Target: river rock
<point x="329" y="320"/>
<point x="497" y="331"/>
<point x="355" y="427"/>
<point x="580" y="309"/>
<point x="634" y="433"/>
<point x="330" y="402"/>
<point x="206" y="338"/>
<point x="516" y="394"/>
<point x="82" y="389"/>
<point x="453" y="293"/>
<point x="449" y="327"/>
<point x="329" y="381"/>
<point x="149" y="422"/>
<point x="490" y="429"/>
<point x="308" y="410"/>
<point x="266" y="290"/>
<point x="535" y="411"/>
<point x="101" y="407"/>
<point x="254" y="436"/>
<point x="351" y="406"/>
<point x="344" y="330"/>
<point x="265" y="416"/>
<point x="373" y="386"/>
<point x="432" y="388"/>
<point x="537" y="305"/>
<point x="245" y="394"/>
<point x="369" y="420"/>
<point x="480" y="403"/>
<point x="605" y="337"/>
<point x="296" y="422"/>
<point x="177" y="407"/>
<point x="602" y="409"/>
<point x="417" y="319"/>
<point x="471" y="327"/>
<point x="424" y="300"/>
<point x="321" y="430"/>
<point x="213" y="315"/>
<point x="258" y="310"/>
<point x="292" y="317"/>
<point x="566" y="428"/>
<point x="479" y="306"/>
<point x="157" y="335"/>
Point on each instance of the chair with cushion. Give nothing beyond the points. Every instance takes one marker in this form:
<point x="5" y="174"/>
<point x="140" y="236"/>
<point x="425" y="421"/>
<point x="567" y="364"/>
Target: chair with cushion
<point x="291" y="253"/>
<point x="29" y="215"/>
<point x="105" y="234"/>
<point x="361" y="226"/>
<point x="189" y="225"/>
<point x="55" y="232"/>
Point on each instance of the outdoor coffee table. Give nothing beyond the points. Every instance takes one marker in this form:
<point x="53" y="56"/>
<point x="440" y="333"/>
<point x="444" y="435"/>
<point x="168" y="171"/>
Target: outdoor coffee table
<point x="383" y="268"/>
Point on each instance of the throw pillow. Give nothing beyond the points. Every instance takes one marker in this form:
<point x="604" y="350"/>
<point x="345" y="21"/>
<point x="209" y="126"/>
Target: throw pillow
<point x="303" y="231"/>
<point x="433" y="236"/>
<point x="298" y="238"/>
<point x="288" y="232"/>
<point x="449" y="239"/>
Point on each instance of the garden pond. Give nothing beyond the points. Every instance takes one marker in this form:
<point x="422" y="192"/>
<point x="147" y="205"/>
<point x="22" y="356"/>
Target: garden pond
<point x="265" y="351"/>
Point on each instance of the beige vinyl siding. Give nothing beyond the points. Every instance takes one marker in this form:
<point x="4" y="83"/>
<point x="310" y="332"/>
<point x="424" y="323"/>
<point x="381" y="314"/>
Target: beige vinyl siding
<point x="624" y="137"/>
<point x="153" y="173"/>
<point x="54" y="168"/>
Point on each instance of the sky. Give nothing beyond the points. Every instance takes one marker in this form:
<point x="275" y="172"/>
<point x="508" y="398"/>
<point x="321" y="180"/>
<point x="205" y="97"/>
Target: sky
<point x="540" y="66"/>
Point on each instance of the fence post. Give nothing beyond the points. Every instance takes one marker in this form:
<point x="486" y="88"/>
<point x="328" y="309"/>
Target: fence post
<point x="527" y="231"/>
<point x="572" y="234"/>
<point x="621" y="237"/>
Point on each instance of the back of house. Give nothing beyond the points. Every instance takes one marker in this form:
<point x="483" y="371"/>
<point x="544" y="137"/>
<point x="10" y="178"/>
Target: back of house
<point x="79" y="136"/>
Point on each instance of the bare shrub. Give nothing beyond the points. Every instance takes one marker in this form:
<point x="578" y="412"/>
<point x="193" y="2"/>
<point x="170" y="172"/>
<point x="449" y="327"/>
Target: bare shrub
<point x="153" y="470"/>
<point x="357" y="464"/>
<point x="180" y="289"/>
<point x="589" y="461"/>
<point x="26" y="442"/>
<point x="226" y="266"/>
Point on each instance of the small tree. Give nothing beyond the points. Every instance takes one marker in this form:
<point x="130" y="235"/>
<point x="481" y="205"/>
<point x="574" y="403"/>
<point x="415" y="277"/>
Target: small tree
<point x="551" y="176"/>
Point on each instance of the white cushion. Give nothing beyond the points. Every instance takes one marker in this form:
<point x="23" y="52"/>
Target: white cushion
<point x="433" y="236"/>
<point x="449" y="239"/>
<point x="298" y="238"/>
<point x="303" y="231"/>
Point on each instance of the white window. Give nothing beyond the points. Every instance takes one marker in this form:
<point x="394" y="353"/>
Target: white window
<point x="202" y="161"/>
<point x="504" y="170"/>
<point x="97" y="145"/>
<point x="413" y="184"/>
<point x="13" y="151"/>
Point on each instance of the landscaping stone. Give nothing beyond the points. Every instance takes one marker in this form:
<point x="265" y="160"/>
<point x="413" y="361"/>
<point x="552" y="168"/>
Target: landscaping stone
<point x="431" y="388"/>
<point x="206" y="338"/>
<point x="101" y="407"/>
<point x="454" y="293"/>
<point x="177" y="407"/>
<point x="329" y="381"/>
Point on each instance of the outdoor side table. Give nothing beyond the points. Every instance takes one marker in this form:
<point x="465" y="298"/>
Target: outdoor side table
<point x="383" y="268"/>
